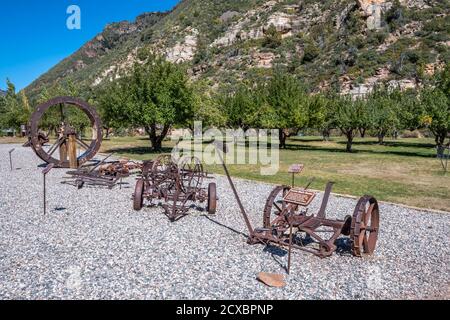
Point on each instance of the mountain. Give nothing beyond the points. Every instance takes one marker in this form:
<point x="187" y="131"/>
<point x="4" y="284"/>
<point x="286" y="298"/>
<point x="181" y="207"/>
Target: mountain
<point x="2" y="93"/>
<point x="348" y="44"/>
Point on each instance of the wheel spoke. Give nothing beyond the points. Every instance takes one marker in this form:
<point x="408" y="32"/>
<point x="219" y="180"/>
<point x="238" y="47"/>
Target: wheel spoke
<point x="365" y="242"/>
<point x="82" y="143"/>
<point x="55" y="146"/>
<point x="278" y="208"/>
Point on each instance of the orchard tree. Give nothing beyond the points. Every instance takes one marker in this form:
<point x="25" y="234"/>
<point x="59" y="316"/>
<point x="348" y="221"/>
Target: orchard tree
<point x="436" y="117"/>
<point x="15" y="108"/>
<point x="110" y="100"/>
<point x="287" y="106"/>
<point x="241" y="106"/>
<point x="410" y="110"/>
<point x="383" y="111"/>
<point x="155" y="95"/>
<point x="347" y="116"/>
<point x="206" y="108"/>
<point x="320" y="115"/>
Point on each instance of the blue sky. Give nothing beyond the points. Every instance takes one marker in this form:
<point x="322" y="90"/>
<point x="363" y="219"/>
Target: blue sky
<point x="34" y="36"/>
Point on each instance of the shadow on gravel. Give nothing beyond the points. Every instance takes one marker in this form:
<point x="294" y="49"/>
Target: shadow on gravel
<point x="344" y="247"/>
<point x="226" y="227"/>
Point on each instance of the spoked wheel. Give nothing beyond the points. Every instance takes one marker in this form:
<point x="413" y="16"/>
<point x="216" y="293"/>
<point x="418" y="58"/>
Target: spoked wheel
<point x="138" y="198"/>
<point x="212" y="198"/>
<point x="274" y="208"/>
<point x="365" y="226"/>
<point x="56" y="113"/>
<point x="191" y="172"/>
<point x="163" y="173"/>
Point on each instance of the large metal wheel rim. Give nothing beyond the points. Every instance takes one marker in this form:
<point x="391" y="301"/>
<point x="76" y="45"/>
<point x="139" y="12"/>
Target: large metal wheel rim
<point x="163" y="173"/>
<point x="138" y="198"/>
<point x="89" y="111"/>
<point x="212" y="198"/>
<point x="194" y="179"/>
<point x="365" y="226"/>
<point x="271" y="202"/>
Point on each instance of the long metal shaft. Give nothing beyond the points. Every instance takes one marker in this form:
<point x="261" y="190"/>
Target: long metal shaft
<point x="290" y="250"/>
<point x="45" y="195"/>
<point x="236" y="195"/>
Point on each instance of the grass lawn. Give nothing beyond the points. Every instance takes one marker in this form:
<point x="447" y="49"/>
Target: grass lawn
<point x="403" y="171"/>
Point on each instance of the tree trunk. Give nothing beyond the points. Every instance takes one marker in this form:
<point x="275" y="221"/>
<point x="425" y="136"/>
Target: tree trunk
<point x="155" y="139"/>
<point x="349" y="135"/>
<point x="283" y="138"/>
<point x="362" y="132"/>
<point x="107" y="132"/>
<point x="440" y="142"/>
<point x="326" y="135"/>
<point x="381" y="136"/>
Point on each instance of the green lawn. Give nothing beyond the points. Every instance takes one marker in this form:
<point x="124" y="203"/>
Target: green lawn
<point x="403" y="171"/>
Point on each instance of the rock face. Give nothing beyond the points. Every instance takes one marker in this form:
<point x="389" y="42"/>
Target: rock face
<point x="184" y="51"/>
<point x="263" y="59"/>
<point x="372" y="10"/>
<point x="350" y="44"/>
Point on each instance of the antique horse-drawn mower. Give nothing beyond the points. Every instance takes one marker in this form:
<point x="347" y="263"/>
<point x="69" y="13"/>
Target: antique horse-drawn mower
<point x="286" y="221"/>
<point x="68" y="139"/>
<point x="176" y="183"/>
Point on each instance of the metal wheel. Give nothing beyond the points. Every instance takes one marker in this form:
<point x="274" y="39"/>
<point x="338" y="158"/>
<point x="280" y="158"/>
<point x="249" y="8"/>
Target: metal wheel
<point x="65" y="128"/>
<point x="365" y="226"/>
<point x="212" y="198"/>
<point x="138" y="198"/>
<point x="164" y="173"/>
<point x="274" y="208"/>
<point x="191" y="172"/>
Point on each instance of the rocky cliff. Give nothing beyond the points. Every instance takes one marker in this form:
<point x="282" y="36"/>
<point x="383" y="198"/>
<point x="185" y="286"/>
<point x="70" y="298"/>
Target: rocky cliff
<point x="347" y="44"/>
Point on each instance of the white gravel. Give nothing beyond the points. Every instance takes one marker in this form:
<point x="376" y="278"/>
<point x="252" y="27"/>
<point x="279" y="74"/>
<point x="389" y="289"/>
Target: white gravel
<point x="92" y="245"/>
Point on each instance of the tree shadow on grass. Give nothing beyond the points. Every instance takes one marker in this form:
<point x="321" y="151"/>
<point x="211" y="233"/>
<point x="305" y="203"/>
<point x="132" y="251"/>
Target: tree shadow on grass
<point x="302" y="147"/>
<point x="394" y="144"/>
<point x="139" y="150"/>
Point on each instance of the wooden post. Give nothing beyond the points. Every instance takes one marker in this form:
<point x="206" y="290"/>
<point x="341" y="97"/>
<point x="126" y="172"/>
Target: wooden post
<point x="72" y="151"/>
<point x="63" y="151"/>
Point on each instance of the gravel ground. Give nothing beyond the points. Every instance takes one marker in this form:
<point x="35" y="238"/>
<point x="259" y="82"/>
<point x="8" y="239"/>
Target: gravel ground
<point x="92" y="245"/>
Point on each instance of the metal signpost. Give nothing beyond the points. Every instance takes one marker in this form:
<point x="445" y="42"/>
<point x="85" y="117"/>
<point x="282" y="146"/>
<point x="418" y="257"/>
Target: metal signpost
<point x="10" y="158"/>
<point x="44" y="173"/>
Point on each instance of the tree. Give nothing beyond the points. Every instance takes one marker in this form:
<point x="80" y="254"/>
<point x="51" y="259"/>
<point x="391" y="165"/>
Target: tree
<point x="206" y="108"/>
<point x="436" y="117"/>
<point x="155" y="95"/>
<point x="435" y="101"/>
<point x="287" y="102"/>
<point x="241" y="106"/>
<point x="109" y="101"/>
<point x="410" y="110"/>
<point x="347" y="117"/>
<point x="383" y="110"/>
<point x="272" y="38"/>
<point x="320" y="115"/>
<point x="15" y="108"/>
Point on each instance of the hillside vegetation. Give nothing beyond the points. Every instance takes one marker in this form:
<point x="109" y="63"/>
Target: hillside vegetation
<point x="348" y="45"/>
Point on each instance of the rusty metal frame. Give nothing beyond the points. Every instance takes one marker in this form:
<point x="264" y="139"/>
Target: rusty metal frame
<point x="361" y="228"/>
<point x="37" y="140"/>
<point x="175" y="184"/>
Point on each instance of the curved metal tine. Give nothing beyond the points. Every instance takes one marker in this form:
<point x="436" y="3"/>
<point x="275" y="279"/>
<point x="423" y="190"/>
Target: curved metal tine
<point x="55" y="146"/>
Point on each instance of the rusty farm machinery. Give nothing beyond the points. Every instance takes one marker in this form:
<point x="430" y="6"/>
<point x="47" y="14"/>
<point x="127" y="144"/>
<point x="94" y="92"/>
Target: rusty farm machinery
<point x="68" y="141"/>
<point x="287" y="222"/>
<point x="70" y="150"/>
<point x="176" y="183"/>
